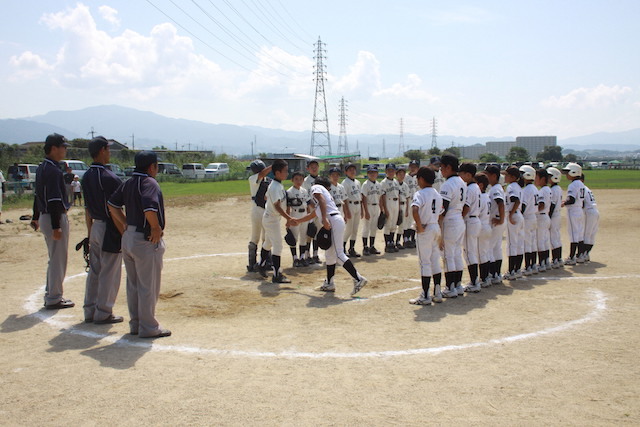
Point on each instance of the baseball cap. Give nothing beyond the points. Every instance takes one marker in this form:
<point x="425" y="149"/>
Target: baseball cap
<point x="56" y="140"/>
<point x="414" y="162"/>
<point x="97" y="144"/>
<point x="349" y="166"/>
<point x="435" y="160"/>
<point x="312" y="161"/>
<point x="372" y="168"/>
<point x="144" y="159"/>
<point x="334" y="170"/>
<point x="390" y="166"/>
<point x="402" y="168"/>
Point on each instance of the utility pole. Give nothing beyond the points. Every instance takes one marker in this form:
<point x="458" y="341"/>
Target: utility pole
<point x="320" y="137"/>
<point x="401" y="144"/>
<point x="343" y="144"/>
<point x="133" y="141"/>
<point x="92" y="133"/>
<point x="434" y="133"/>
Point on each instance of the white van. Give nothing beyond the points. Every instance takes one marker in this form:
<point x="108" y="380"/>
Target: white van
<point x="216" y="169"/>
<point x="193" y="170"/>
<point x="78" y="167"/>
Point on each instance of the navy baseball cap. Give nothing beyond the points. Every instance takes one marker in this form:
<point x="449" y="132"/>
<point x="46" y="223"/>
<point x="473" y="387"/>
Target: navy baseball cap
<point x="334" y="170"/>
<point x="97" y="144"/>
<point x="414" y="162"/>
<point x="372" y="168"/>
<point x="56" y="140"/>
<point x="349" y="166"/>
<point x="312" y="161"/>
<point x="144" y="159"/>
<point x="402" y="168"/>
<point x="390" y="166"/>
<point x="435" y="160"/>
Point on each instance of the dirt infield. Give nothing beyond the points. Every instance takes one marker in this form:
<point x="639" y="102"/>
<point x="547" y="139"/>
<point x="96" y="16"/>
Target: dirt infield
<point x="559" y="348"/>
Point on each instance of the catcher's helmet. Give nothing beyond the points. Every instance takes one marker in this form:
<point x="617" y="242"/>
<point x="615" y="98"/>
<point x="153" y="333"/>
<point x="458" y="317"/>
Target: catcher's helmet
<point x="528" y="172"/>
<point x="555" y="174"/>
<point x="573" y="169"/>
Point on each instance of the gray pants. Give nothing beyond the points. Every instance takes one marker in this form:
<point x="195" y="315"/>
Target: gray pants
<point x="58" y="250"/>
<point x="143" y="262"/>
<point x="103" y="280"/>
<point x="69" y="193"/>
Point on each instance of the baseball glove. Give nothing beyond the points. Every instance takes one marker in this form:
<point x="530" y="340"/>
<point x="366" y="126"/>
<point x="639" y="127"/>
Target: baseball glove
<point x="381" y="220"/>
<point x="290" y="238"/>
<point x="312" y="230"/>
<point x="84" y="244"/>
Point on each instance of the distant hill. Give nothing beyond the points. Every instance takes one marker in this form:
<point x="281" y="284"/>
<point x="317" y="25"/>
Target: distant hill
<point x="152" y="129"/>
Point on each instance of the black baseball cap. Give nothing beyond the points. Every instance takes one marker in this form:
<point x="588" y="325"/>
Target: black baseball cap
<point x="334" y="170"/>
<point x="390" y="166"/>
<point x="312" y="161"/>
<point x="97" y="144"/>
<point x="372" y="168"/>
<point x="402" y="168"/>
<point x="414" y="162"/>
<point x="435" y="160"/>
<point x="349" y="166"/>
<point x="144" y="159"/>
<point x="56" y="140"/>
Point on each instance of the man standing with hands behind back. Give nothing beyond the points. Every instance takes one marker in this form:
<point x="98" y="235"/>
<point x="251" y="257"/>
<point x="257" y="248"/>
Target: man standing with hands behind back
<point x="50" y="206"/>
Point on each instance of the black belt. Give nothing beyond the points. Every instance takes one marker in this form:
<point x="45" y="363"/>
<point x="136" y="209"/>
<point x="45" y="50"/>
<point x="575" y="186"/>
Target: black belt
<point x="402" y="203"/>
<point x="473" y="216"/>
<point x="373" y="204"/>
<point x="301" y="210"/>
<point x="338" y="205"/>
<point x="355" y="203"/>
<point x="541" y="213"/>
<point x="395" y="199"/>
<point x="334" y="214"/>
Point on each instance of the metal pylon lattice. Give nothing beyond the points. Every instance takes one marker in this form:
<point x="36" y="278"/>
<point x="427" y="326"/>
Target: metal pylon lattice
<point x="434" y="133"/>
<point x="343" y="144"/>
<point x="401" y="143"/>
<point x="320" y="137"/>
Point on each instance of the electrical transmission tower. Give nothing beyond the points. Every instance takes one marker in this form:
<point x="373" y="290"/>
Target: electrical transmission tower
<point x="320" y="137"/>
<point x="401" y="144"/>
<point x="343" y="144"/>
<point x="434" y="133"/>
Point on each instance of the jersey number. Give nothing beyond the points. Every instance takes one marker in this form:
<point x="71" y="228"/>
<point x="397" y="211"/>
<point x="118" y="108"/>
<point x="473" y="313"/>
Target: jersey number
<point x="462" y="194"/>
<point x="433" y="205"/>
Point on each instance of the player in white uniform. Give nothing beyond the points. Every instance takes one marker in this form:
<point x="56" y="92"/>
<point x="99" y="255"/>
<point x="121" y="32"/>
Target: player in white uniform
<point x="544" y="221"/>
<point x="498" y="222"/>
<point x="371" y="198"/>
<point x="313" y="167"/>
<point x="435" y="165"/>
<point x="555" y="214"/>
<point x="515" y="224"/>
<point x="412" y="181"/>
<point x="454" y="194"/>
<point x="529" y="208"/>
<point x="274" y="209"/>
<point x="297" y="207"/>
<point x="390" y="205"/>
<point x="405" y="219"/>
<point x="258" y="183"/>
<point x="426" y="208"/>
<point x="471" y="215"/>
<point x="339" y="193"/>
<point x="591" y="219"/>
<point x="484" y="239"/>
<point x="575" y="212"/>
<point x="354" y="199"/>
<point x="331" y="219"/>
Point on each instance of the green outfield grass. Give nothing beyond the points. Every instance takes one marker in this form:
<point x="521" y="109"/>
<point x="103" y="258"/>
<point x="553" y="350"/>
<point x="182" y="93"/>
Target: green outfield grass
<point x="605" y="179"/>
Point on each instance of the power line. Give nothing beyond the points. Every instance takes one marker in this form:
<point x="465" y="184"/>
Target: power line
<point x="269" y="23"/>
<point x="294" y="20"/>
<point x="283" y="21"/>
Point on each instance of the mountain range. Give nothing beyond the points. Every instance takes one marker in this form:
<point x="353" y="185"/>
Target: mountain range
<point x="144" y="129"/>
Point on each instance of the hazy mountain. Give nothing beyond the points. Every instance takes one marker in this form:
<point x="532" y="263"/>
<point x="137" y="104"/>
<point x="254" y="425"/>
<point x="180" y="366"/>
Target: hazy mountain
<point x="152" y="129"/>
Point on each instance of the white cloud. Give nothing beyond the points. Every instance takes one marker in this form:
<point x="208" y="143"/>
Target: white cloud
<point x="594" y="97"/>
<point x="30" y="65"/>
<point x="411" y="89"/>
<point x="110" y="15"/>
<point x="460" y="15"/>
<point x="363" y="78"/>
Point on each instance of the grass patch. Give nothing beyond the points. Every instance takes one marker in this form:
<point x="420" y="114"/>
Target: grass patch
<point x="608" y="179"/>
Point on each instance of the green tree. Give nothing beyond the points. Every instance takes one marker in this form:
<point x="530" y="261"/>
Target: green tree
<point x="454" y="151"/>
<point x="413" y="154"/>
<point x="490" y="158"/>
<point x="570" y="158"/>
<point x="518" y="154"/>
<point x="435" y="151"/>
<point x="551" y="153"/>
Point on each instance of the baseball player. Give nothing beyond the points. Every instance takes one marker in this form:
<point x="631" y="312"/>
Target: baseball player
<point x="390" y="206"/>
<point x="274" y="209"/>
<point x="498" y="224"/>
<point x="258" y="184"/>
<point x="575" y="212"/>
<point x="142" y="244"/>
<point x="354" y="199"/>
<point x="454" y="194"/>
<point x="326" y="209"/>
<point x="529" y="208"/>
<point x="426" y="208"/>
<point x="50" y="206"/>
<point x="339" y="194"/>
<point x="371" y="199"/>
<point x="105" y="257"/>
<point x="297" y="207"/>
<point x="544" y="221"/>
<point x="313" y="167"/>
<point x="405" y="195"/>
<point x="435" y="165"/>
<point x="515" y="225"/>
<point x="412" y="181"/>
<point x="555" y="214"/>
<point x="591" y="219"/>
<point x="484" y="239"/>
<point x="471" y="215"/>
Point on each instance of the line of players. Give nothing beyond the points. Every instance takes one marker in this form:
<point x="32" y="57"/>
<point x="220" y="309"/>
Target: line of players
<point x="451" y="209"/>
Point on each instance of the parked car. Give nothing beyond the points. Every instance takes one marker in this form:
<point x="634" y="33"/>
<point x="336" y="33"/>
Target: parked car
<point x="78" y="167"/>
<point x="168" y="169"/>
<point x="193" y="170"/>
<point x="28" y="172"/>
<point x="216" y="169"/>
<point x="116" y="169"/>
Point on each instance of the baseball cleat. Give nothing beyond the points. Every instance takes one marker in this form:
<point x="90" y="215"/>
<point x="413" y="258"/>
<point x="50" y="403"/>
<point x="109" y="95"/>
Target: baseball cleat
<point x="528" y="271"/>
<point x="570" y="261"/>
<point x="366" y="252"/>
<point x="459" y="289"/>
<point x="486" y="283"/>
<point x="519" y="274"/>
<point x="262" y="269"/>
<point x="450" y="292"/>
<point x="437" y="294"/>
<point x="316" y="259"/>
<point x="587" y="258"/>
<point x="580" y="259"/>
<point x="358" y="284"/>
<point x="327" y="286"/>
<point x="496" y="279"/>
<point x="353" y="253"/>
<point x="472" y="288"/>
<point x="421" y="300"/>
<point x="374" y="251"/>
<point x="280" y="278"/>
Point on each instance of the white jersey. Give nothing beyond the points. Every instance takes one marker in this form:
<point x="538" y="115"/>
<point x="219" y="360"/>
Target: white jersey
<point x="530" y="200"/>
<point x="576" y="190"/>
<point x="556" y="199"/>
<point x="275" y="193"/>
<point x="513" y="190"/>
<point x="372" y="191"/>
<point x="412" y="182"/>
<point x="454" y="190"/>
<point x="254" y="184"/>
<point x="390" y="189"/>
<point x="544" y="196"/>
<point x="404" y="191"/>
<point x="339" y="194"/>
<point x="328" y="199"/>
<point x="484" y="212"/>
<point x="429" y="204"/>
<point x="309" y="182"/>
<point x="297" y="200"/>
<point x="589" y="200"/>
<point x="353" y="189"/>
<point x="496" y="193"/>
<point x="473" y="200"/>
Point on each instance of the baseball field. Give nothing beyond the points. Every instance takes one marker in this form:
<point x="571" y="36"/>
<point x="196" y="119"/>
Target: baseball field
<point x="556" y="348"/>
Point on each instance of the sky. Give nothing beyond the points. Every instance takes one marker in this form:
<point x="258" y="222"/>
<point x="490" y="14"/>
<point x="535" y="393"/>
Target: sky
<point x="480" y="68"/>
